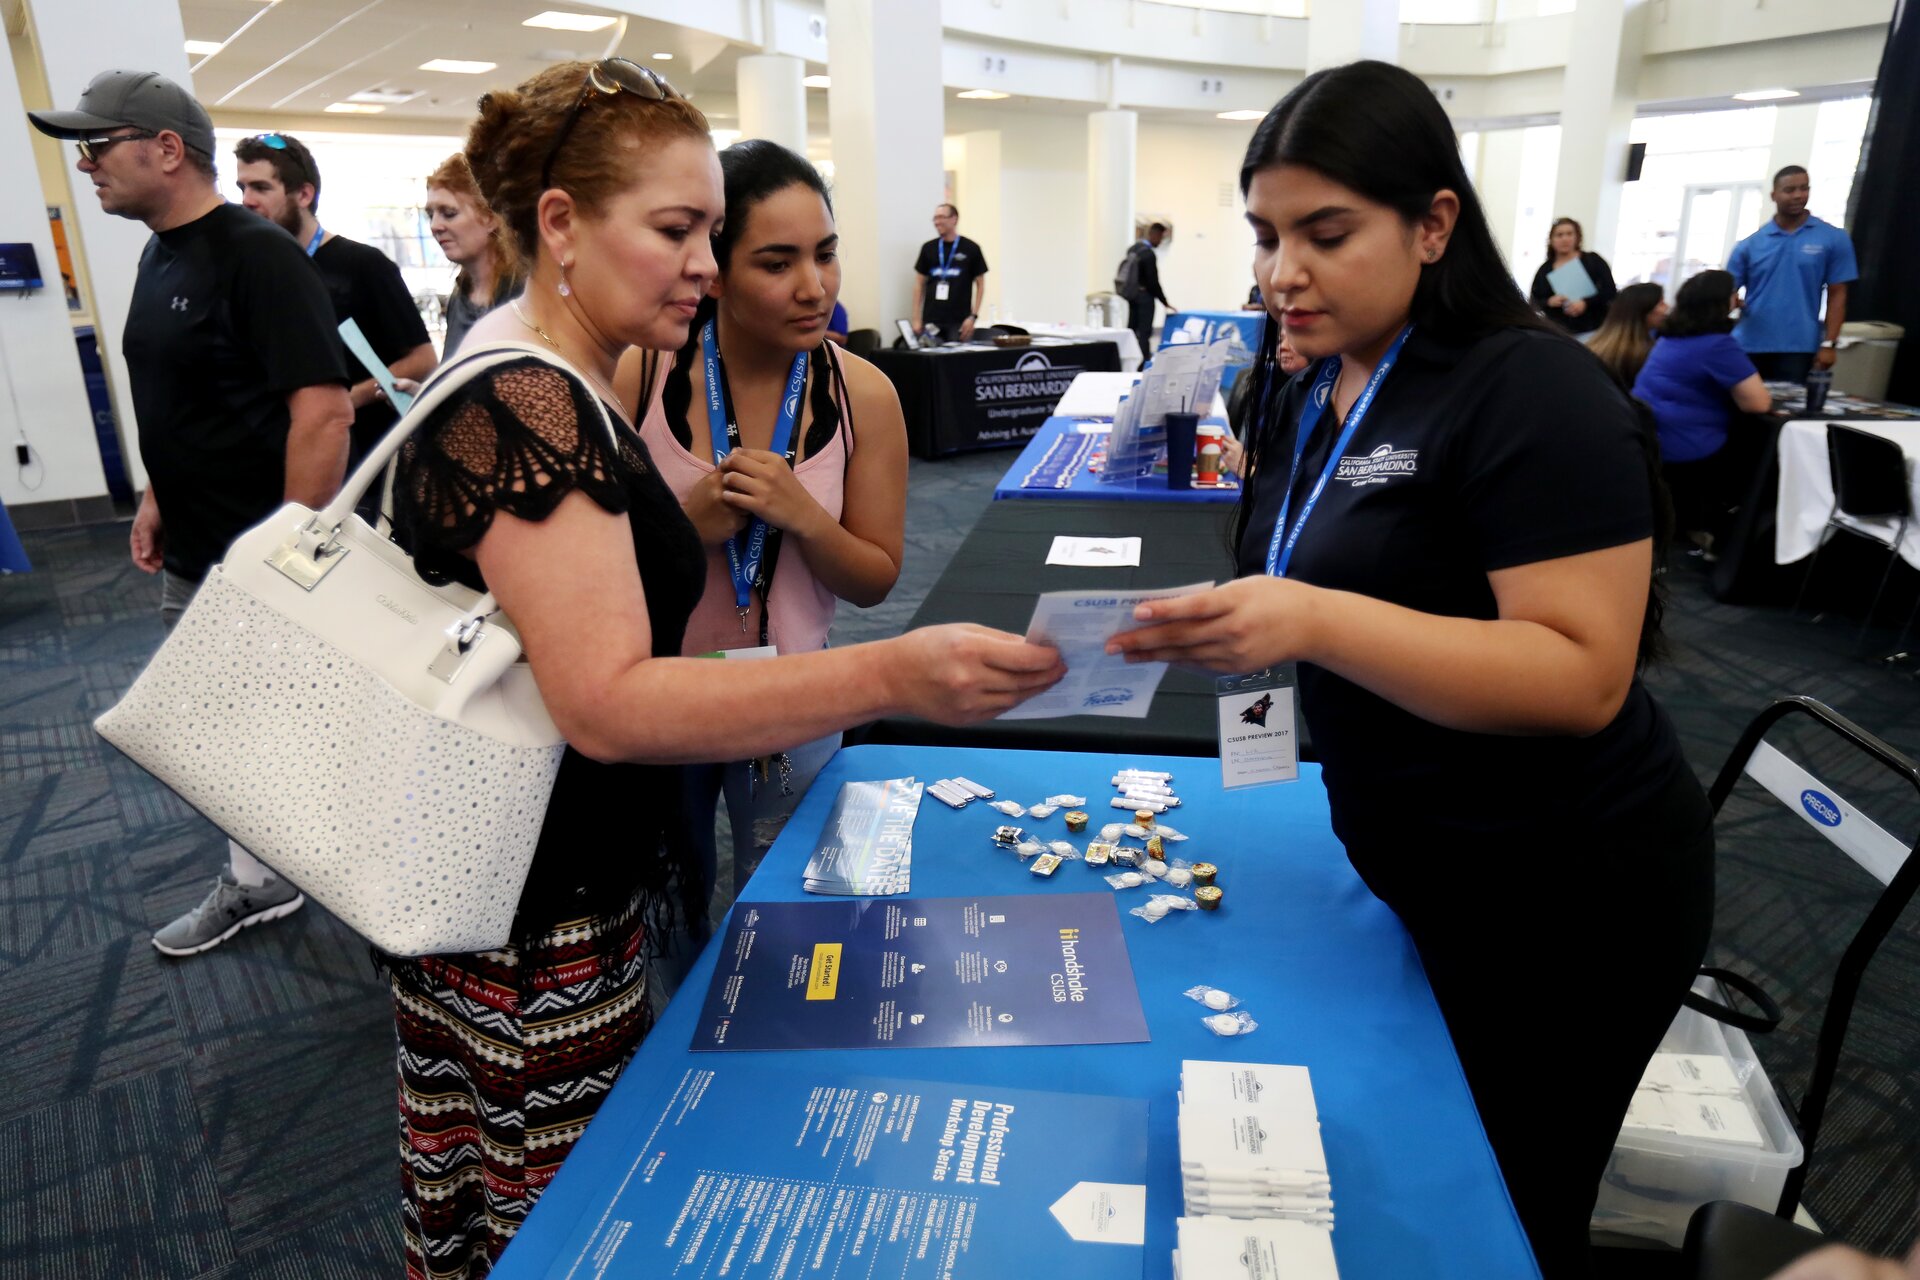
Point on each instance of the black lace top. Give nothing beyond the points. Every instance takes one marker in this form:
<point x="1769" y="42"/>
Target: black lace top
<point x="519" y="439"/>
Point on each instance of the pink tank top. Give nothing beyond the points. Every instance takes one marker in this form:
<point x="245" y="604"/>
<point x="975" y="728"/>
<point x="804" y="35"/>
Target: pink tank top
<point x="800" y="609"/>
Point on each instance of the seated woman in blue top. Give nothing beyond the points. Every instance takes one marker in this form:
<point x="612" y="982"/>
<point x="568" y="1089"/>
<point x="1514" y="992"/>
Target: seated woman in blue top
<point x="1695" y="380"/>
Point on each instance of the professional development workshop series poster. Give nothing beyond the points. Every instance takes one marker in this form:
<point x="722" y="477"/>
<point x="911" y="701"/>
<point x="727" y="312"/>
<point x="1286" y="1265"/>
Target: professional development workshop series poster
<point x="923" y="973"/>
<point x="753" y="1171"/>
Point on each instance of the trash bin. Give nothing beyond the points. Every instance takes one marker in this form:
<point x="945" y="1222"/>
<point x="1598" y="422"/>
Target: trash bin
<point x="106" y="430"/>
<point x="1865" y="359"/>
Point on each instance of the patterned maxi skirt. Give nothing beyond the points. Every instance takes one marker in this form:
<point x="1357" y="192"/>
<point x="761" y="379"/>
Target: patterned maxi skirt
<point x="504" y="1057"/>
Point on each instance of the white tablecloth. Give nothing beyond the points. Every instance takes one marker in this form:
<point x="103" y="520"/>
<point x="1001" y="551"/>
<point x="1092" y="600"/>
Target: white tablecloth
<point x="1123" y="338"/>
<point x="1806" y="489"/>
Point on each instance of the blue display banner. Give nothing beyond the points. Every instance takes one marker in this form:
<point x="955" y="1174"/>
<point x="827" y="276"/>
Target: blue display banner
<point x="868" y="1177"/>
<point x="923" y="973"/>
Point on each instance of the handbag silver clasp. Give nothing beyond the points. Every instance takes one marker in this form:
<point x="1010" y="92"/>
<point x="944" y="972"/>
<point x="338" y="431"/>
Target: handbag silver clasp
<point x="308" y="558"/>
<point x="463" y="637"/>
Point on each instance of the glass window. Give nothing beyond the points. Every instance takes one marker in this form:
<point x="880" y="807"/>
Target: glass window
<point x="1838" y="131"/>
<point x="1446" y="12"/>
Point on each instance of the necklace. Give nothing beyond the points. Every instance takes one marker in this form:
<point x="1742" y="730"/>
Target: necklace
<point x="613" y="397"/>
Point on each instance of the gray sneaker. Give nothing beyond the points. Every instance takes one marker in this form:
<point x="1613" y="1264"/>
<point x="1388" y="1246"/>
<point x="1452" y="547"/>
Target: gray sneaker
<point x="230" y="908"/>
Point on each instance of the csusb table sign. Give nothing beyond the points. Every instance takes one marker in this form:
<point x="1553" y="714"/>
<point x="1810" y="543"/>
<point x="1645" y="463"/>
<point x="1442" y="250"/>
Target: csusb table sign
<point x="1016" y="401"/>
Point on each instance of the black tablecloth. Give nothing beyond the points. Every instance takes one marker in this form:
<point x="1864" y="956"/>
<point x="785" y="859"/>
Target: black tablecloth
<point x="985" y="397"/>
<point x="1001" y="569"/>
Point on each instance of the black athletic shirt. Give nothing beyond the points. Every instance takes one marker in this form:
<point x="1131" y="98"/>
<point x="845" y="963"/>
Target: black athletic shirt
<point x="228" y="318"/>
<point x="963" y="264"/>
<point x="368" y="289"/>
<point x="1502" y="452"/>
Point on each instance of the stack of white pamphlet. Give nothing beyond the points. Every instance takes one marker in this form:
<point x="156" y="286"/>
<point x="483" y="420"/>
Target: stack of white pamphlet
<point x="1250" y="1143"/>
<point x="1694" y="1095"/>
<point x="1237" y="1249"/>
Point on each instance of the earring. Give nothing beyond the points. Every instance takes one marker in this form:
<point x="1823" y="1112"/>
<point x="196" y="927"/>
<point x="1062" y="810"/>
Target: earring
<point x="1430" y="255"/>
<point x="565" y="290"/>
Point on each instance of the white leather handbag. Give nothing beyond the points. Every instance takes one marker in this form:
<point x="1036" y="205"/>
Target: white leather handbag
<point x="374" y="739"/>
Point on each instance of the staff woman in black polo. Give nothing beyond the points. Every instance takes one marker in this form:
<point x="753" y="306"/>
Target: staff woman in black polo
<point x="1449" y="525"/>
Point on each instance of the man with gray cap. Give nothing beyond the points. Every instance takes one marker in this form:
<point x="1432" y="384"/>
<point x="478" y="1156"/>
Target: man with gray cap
<point x="237" y="379"/>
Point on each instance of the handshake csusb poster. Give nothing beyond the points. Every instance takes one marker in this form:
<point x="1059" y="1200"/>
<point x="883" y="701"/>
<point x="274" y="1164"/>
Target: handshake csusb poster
<point x="756" y="1171"/>
<point x="922" y="973"/>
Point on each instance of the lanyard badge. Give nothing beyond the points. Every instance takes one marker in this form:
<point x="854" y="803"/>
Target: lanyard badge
<point x="1280" y="549"/>
<point x="319" y="234"/>
<point x="746" y="550"/>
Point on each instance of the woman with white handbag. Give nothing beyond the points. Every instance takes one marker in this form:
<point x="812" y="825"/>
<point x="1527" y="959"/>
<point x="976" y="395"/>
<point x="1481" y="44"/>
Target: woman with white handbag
<point x="611" y="186"/>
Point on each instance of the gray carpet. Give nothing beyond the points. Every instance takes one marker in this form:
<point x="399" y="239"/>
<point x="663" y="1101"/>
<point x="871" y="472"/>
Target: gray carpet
<point x="232" y="1115"/>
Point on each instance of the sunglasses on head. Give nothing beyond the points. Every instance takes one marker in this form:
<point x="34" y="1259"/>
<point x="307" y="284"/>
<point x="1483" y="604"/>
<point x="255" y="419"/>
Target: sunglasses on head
<point x="292" y="150"/>
<point x="91" y="149"/>
<point x="605" y="79"/>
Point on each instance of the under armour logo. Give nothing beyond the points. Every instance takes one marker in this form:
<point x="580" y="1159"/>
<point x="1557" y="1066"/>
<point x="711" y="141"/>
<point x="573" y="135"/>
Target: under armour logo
<point x="179" y="304"/>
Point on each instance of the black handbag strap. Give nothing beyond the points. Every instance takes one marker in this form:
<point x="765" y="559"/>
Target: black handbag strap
<point x="1767" y="1019"/>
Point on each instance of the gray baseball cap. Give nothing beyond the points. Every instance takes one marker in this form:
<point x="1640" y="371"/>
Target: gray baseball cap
<point x="140" y="99"/>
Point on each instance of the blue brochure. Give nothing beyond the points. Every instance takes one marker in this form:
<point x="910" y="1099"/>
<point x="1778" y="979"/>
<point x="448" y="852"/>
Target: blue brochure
<point x="758" y="1171"/>
<point x="922" y="973"/>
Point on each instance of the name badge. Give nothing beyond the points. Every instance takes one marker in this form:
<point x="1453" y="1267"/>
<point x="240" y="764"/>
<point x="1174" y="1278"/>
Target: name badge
<point x="940" y="291"/>
<point x="1258" y="742"/>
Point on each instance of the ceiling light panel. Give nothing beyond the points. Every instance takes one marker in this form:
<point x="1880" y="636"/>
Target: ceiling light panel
<point x="1239" y="115"/>
<point x="557" y="20"/>
<point x="982" y="95"/>
<point x="1765" y="95"/>
<point x="458" y="67"/>
<point x="203" y="47"/>
<point x="354" y="109"/>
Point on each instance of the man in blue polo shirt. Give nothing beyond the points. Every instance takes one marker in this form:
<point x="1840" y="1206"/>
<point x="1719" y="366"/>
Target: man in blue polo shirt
<point x="1783" y="266"/>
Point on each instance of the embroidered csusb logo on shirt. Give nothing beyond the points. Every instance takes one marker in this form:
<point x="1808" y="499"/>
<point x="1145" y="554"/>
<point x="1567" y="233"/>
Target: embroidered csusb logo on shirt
<point x="1378" y="467"/>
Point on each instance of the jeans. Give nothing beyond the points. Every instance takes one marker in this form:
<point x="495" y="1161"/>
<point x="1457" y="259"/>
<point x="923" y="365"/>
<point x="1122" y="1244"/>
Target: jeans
<point x="1782" y="366"/>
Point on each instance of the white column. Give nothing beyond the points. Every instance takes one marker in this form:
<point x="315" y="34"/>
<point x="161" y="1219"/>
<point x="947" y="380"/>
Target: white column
<point x="886" y="115"/>
<point x="976" y="191"/>
<point x="1793" y="131"/>
<point x="1499" y="187"/>
<point x="1112" y="150"/>
<point x="1348" y="30"/>
<point x="1596" y="115"/>
<point x="76" y="43"/>
<point x="39" y="370"/>
<point x="773" y="102"/>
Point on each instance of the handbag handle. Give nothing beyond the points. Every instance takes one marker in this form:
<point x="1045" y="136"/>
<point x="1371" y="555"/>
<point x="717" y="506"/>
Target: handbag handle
<point x="1754" y="1024"/>
<point x="315" y="541"/>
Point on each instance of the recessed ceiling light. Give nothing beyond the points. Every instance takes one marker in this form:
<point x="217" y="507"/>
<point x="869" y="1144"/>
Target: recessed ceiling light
<point x="1239" y="115"/>
<point x="205" y="46"/>
<point x="354" y="108"/>
<point x="458" y="67"/>
<point x="983" y="95"/>
<point x="555" y="20"/>
<point x="663" y="57"/>
<point x="1765" y="95"/>
<point x="818" y="82"/>
<point x="385" y="97"/>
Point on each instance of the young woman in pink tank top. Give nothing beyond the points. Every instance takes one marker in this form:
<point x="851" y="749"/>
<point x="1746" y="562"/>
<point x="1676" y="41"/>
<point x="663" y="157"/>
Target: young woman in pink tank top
<point x="759" y="419"/>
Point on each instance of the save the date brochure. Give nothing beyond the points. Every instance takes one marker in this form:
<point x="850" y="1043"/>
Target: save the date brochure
<point x="754" y="1171"/>
<point x="1028" y="969"/>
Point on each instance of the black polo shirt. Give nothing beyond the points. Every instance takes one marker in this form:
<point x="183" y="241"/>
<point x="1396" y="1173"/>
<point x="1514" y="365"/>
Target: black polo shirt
<point x="1474" y="457"/>
<point x="369" y="290"/>
<point x="963" y="263"/>
<point x="228" y="319"/>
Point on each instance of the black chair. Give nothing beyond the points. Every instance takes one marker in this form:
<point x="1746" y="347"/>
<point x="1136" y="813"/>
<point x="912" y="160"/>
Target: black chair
<point x="1734" y="1242"/>
<point x="1869" y="483"/>
<point x="863" y="342"/>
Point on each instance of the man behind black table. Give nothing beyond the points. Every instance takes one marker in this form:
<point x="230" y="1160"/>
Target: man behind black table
<point x="279" y="179"/>
<point x="236" y="375"/>
<point x="951" y="269"/>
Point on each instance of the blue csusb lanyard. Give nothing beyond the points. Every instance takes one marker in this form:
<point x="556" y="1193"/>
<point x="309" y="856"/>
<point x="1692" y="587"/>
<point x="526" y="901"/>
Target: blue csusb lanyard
<point x="746" y="550"/>
<point x="319" y="234"/>
<point x="1279" y="556"/>
<point x="946" y="252"/>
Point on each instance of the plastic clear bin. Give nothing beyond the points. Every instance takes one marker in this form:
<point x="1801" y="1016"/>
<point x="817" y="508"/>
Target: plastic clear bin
<point x="1655" y="1181"/>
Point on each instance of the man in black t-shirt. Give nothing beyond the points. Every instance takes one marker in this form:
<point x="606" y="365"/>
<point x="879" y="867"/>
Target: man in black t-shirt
<point x="236" y="375"/>
<point x="279" y="180"/>
<point x="1138" y="281"/>
<point x="950" y="268"/>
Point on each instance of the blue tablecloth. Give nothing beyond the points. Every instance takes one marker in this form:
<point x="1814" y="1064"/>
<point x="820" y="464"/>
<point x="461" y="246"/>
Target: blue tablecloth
<point x="1323" y="965"/>
<point x="13" y="556"/>
<point x="1083" y="483"/>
